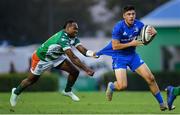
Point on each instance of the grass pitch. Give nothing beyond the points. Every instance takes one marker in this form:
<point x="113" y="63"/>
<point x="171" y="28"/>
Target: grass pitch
<point x="90" y="103"/>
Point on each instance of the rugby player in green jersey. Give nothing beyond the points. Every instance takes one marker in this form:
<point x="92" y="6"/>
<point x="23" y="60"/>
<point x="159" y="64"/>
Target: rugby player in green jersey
<point x="54" y="53"/>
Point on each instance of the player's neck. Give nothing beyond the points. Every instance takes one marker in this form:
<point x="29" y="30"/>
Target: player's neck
<point x="129" y="25"/>
<point x="65" y="30"/>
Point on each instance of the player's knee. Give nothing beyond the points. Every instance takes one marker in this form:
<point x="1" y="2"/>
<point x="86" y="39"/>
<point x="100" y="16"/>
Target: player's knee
<point x="75" y="72"/>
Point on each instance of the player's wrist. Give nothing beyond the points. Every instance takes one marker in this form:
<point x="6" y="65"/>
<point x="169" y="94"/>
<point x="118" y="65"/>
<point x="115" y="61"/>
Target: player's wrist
<point x="90" y="53"/>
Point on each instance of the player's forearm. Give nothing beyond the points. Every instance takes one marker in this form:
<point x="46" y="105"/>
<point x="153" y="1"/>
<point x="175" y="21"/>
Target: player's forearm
<point x="75" y="60"/>
<point x="83" y="51"/>
<point x="78" y="63"/>
<point x="86" y="52"/>
<point x="120" y="46"/>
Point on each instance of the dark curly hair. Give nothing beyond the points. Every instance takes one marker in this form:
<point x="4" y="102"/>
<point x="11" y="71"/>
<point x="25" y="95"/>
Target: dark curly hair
<point x="68" y="22"/>
<point x="127" y="8"/>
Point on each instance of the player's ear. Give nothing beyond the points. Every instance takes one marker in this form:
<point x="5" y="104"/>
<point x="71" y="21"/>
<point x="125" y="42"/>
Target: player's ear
<point x="124" y="15"/>
<point x="68" y="26"/>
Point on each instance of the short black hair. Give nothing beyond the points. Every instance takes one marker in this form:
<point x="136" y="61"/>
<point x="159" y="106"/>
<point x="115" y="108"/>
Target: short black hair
<point x="68" y="22"/>
<point x="127" y="8"/>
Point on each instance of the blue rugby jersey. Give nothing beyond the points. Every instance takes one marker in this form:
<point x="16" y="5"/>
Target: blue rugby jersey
<point x="124" y="34"/>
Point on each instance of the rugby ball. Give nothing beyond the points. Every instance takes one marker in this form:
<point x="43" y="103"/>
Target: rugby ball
<point x="144" y="35"/>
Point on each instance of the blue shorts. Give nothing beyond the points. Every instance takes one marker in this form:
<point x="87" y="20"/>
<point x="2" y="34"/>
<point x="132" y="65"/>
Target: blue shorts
<point x="133" y="61"/>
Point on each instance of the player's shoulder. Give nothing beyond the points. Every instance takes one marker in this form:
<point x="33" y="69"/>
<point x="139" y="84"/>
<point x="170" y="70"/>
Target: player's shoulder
<point x="138" y="22"/>
<point x="119" y="23"/>
<point x="62" y="33"/>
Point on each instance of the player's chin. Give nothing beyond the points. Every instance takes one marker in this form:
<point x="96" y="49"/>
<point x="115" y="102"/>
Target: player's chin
<point x="131" y="22"/>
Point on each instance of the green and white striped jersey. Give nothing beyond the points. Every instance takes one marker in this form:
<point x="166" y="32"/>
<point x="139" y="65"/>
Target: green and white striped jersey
<point x="56" y="45"/>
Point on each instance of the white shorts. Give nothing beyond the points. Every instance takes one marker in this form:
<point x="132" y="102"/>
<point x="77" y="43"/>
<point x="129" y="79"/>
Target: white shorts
<point x="38" y="66"/>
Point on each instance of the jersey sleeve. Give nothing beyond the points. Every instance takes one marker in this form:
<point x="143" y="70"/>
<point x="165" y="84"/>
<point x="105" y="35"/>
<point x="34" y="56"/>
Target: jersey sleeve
<point x="64" y="42"/>
<point x="77" y="42"/>
<point x="141" y="24"/>
<point x="116" y="32"/>
<point x="140" y="27"/>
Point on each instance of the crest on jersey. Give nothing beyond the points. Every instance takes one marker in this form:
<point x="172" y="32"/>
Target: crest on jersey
<point x="124" y="33"/>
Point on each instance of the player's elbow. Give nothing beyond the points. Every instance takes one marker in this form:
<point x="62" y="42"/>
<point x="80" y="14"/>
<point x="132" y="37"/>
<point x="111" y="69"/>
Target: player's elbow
<point x="117" y="47"/>
<point x="114" y="47"/>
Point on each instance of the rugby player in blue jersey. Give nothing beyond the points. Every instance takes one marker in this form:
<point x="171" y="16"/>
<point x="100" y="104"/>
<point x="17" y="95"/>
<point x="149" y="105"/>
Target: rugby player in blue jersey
<point x="122" y="50"/>
<point x="172" y="93"/>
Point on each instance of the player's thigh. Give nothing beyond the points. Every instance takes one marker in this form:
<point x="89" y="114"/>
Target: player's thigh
<point x="67" y="66"/>
<point x="121" y="76"/>
<point x="38" y="66"/>
<point x="145" y="72"/>
<point x="135" y="62"/>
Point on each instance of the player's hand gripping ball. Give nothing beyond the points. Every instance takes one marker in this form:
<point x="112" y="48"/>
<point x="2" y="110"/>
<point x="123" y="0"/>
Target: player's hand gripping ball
<point x="145" y="37"/>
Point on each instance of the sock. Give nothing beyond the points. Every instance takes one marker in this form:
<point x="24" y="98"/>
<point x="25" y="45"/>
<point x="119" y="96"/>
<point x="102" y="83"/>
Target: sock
<point x="68" y="89"/>
<point x="70" y="82"/>
<point x="18" y="90"/>
<point x="159" y="98"/>
<point x="176" y="91"/>
<point x="68" y="86"/>
<point x="112" y="86"/>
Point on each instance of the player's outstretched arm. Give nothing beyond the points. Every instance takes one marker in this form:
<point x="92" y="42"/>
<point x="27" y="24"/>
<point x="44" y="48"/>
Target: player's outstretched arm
<point x="85" y="52"/>
<point x="75" y="60"/>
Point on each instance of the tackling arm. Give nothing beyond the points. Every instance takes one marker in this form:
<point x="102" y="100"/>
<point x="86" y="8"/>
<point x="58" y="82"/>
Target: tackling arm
<point x="85" y="52"/>
<point x="78" y="62"/>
